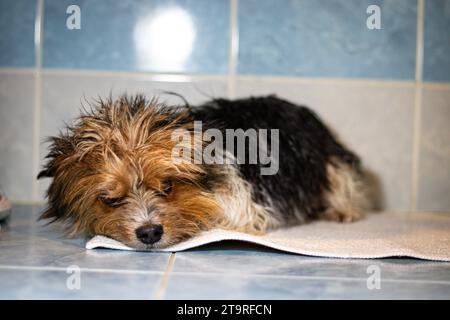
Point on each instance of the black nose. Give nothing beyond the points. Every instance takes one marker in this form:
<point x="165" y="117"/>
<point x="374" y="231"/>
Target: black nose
<point x="150" y="234"/>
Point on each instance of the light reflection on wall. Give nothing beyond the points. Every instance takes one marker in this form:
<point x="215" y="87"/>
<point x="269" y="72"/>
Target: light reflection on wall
<point x="164" y="40"/>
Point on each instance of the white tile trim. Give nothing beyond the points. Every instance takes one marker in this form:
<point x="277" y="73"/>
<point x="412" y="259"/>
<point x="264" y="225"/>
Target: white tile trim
<point x="64" y="269"/>
<point x="417" y="121"/>
<point x="218" y="274"/>
<point x="38" y="33"/>
<point x="167" y="77"/>
<point x="233" y="49"/>
<point x="170" y="77"/>
<point x="299" y="277"/>
<point x="12" y="70"/>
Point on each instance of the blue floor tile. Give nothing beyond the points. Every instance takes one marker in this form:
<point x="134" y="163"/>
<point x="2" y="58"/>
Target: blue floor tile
<point x="241" y="259"/>
<point x="198" y="286"/>
<point x="27" y="242"/>
<point x="34" y="259"/>
<point x="48" y="284"/>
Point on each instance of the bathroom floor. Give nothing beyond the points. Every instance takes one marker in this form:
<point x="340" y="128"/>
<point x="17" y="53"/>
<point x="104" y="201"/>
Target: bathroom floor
<point x="36" y="262"/>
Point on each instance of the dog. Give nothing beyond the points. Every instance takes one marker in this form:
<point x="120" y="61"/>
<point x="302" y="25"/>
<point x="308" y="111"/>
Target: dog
<point x="114" y="171"/>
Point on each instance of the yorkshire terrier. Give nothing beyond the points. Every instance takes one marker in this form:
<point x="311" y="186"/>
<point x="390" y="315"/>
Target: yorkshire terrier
<point x="119" y="171"/>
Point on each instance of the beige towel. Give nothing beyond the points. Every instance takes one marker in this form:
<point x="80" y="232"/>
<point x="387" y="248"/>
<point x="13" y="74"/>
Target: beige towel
<point x="417" y="235"/>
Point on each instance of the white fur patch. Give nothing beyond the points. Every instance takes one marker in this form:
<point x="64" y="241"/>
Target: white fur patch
<point x="240" y="212"/>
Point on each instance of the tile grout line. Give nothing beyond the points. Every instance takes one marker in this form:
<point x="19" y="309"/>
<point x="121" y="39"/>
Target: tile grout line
<point x="165" y="278"/>
<point x="64" y="269"/>
<point x="417" y="113"/>
<point x="165" y="77"/>
<point x="420" y="40"/>
<point x="436" y="85"/>
<point x="233" y="50"/>
<point x="312" y="278"/>
<point x="165" y="274"/>
<point x="326" y="80"/>
<point x="38" y="32"/>
<point x="16" y="70"/>
<point x="168" y="77"/>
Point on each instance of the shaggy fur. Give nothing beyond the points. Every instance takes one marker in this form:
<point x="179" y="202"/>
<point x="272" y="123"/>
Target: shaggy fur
<point x="113" y="172"/>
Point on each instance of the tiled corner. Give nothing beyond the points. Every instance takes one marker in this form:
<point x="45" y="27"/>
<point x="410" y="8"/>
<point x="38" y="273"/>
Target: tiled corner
<point x="375" y="120"/>
<point x="17" y="33"/>
<point x="327" y="38"/>
<point x="160" y="36"/>
<point x="436" y="63"/>
<point x="63" y="96"/>
<point x="16" y="134"/>
<point x="434" y="161"/>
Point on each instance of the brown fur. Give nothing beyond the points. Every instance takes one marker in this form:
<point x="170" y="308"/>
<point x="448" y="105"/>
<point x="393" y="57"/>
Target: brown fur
<point x="113" y="173"/>
<point x="118" y="152"/>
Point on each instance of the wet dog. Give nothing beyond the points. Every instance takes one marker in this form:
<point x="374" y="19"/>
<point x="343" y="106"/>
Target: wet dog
<point x="152" y="175"/>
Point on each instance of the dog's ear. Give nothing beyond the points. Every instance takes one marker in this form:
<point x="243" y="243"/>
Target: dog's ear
<point x="61" y="147"/>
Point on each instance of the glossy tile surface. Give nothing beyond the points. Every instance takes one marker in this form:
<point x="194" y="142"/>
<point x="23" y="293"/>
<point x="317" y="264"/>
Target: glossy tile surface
<point x="48" y="284"/>
<point x="17" y="33"/>
<point x="436" y="63"/>
<point x="327" y="38"/>
<point x="291" y="46"/>
<point x="244" y="260"/>
<point x="160" y="36"/>
<point x="28" y="242"/>
<point x="36" y="262"/>
<point x="254" y="287"/>
<point x="16" y="134"/>
<point x="434" y="162"/>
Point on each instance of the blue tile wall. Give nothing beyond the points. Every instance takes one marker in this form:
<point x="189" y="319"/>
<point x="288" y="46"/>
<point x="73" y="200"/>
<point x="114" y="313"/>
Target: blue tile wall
<point x="280" y="38"/>
<point x="17" y="33"/>
<point x="164" y="36"/>
<point x="436" y="65"/>
<point x="327" y="38"/>
<point x="321" y="38"/>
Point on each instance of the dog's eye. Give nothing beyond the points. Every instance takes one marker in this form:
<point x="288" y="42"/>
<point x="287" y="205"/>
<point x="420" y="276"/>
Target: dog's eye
<point x="111" y="202"/>
<point x="166" y="187"/>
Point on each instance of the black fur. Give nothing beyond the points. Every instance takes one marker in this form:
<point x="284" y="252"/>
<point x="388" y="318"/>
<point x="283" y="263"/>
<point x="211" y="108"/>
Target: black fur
<point x="306" y="146"/>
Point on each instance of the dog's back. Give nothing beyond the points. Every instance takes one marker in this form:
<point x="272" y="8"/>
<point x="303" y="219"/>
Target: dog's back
<point x="317" y="175"/>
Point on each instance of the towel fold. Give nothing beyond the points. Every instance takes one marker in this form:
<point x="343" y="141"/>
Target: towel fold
<point x="416" y="235"/>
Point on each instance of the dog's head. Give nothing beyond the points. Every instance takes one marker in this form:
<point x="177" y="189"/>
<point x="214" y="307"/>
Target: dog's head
<point x="114" y="175"/>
